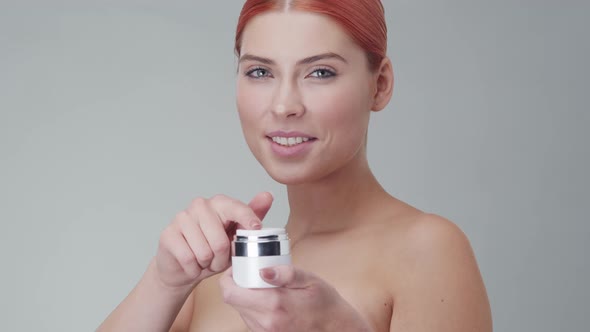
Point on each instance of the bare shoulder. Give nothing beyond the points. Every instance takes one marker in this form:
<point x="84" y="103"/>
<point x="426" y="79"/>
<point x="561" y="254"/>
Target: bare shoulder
<point x="438" y="285"/>
<point x="430" y="236"/>
<point x="435" y="247"/>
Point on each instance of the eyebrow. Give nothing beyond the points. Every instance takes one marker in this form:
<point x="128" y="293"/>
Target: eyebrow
<point x="308" y="60"/>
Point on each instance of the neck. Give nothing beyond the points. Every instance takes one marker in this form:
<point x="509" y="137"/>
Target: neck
<point x="334" y="203"/>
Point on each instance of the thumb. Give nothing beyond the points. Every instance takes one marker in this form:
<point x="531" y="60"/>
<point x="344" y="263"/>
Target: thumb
<point x="285" y="276"/>
<point x="261" y="203"/>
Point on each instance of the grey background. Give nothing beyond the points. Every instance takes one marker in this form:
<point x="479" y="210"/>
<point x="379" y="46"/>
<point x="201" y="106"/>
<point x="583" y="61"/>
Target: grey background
<point x="115" y="114"/>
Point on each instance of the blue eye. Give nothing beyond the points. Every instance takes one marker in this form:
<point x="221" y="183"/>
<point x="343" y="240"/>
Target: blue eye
<point x="322" y="73"/>
<point x="258" y="73"/>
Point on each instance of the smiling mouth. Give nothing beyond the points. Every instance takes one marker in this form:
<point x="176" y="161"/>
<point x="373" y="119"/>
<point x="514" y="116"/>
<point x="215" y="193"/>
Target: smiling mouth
<point x="291" y="141"/>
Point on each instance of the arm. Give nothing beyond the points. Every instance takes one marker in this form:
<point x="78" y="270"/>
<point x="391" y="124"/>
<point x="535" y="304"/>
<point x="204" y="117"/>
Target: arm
<point x="183" y="321"/>
<point x="195" y="246"/>
<point x="151" y="306"/>
<point x="442" y="289"/>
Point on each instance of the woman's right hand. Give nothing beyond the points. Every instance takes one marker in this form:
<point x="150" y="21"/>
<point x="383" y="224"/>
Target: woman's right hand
<point x="197" y="243"/>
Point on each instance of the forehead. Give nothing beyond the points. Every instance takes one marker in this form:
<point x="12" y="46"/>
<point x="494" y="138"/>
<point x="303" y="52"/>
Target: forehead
<point x="293" y="35"/>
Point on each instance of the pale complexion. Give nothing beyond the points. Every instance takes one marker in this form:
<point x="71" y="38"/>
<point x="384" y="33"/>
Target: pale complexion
<point x="362" y="260"/>
<point x="398" y="268"/>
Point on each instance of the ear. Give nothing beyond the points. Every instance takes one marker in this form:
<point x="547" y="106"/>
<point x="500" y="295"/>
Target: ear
<point x="383" y="85"/>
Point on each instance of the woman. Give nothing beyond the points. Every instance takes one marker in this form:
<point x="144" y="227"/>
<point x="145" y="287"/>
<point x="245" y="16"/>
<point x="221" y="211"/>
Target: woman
<point x="310" y="73"/>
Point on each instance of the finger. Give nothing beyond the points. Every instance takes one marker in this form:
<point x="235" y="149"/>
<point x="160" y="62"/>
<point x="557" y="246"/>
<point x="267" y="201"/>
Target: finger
<point x="195" y="238"/>
<point x="261" y="203"/>
<point x="227" y="274"/>
<point x="173" y="241"/>
<point x="216" y="236"/>
<point x="286" y="276"/>
<point x="228" y="285"/>
<point x="232" y="293"/>
<point x="230" y="210"/>
<point x="261" y="300"/>
<point x="226" y="281"/>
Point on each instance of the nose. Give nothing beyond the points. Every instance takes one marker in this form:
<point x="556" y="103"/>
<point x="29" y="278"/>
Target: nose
<point x="287" y="101"/>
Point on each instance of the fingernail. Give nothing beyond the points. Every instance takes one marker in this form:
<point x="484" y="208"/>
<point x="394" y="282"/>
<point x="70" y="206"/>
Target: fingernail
<point x="255" y="225"/>
<point x="268" y="273"/>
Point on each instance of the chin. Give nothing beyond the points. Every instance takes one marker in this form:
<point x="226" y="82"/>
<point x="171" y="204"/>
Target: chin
<point x="288" y="179"/>
<point x="292" y="177"/>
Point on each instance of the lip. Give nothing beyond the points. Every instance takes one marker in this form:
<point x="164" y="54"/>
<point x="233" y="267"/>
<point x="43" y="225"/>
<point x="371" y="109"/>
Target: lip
<point x="294" y="151"/>
<point x="280" y="133"/>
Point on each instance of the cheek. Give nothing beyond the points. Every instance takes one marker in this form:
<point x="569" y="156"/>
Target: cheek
<point x="344" y="111"/>
<point x="250" y="104"/>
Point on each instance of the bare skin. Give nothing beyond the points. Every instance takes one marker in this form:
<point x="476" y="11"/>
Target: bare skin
<point x="378" y="264"/>
<point x="362" y="260"/>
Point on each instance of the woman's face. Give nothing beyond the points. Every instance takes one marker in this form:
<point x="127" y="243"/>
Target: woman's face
<point x="304" y="95"/>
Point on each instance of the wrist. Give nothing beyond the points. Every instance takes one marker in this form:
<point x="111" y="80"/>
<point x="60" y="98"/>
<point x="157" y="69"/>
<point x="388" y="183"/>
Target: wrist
<point x="150" y="306"/>
<point x="153" y="279"/>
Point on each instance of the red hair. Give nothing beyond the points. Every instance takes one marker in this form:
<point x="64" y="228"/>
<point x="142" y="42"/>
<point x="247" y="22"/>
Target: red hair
<point x="363" y="20"/>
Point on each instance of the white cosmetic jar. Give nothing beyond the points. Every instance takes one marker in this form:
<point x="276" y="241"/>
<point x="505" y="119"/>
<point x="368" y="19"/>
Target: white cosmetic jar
<point x="253" y="250"/>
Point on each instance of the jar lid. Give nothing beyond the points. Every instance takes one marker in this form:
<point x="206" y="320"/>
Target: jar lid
<point x="260" y="232"/>
<point x="261" y="242"/>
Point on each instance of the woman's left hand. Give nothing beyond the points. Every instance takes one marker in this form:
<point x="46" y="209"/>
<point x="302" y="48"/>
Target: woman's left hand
<point x="301" y="302"/>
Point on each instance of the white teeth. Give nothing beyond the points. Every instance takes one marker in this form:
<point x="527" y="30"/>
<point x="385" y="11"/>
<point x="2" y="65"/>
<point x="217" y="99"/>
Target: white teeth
<point x="289" y="141"/>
